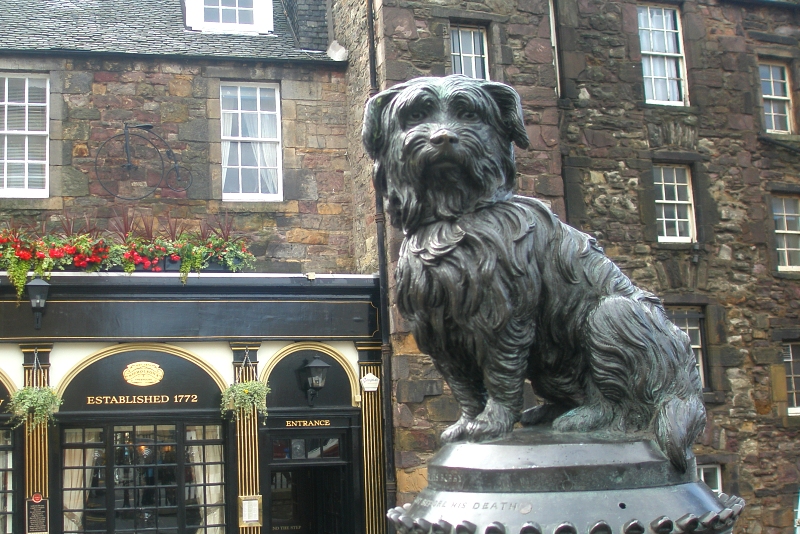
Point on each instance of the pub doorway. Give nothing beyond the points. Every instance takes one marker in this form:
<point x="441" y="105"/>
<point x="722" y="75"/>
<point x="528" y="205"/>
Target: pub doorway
<point x="311" y="450"/>
<point x="308" y="500"/>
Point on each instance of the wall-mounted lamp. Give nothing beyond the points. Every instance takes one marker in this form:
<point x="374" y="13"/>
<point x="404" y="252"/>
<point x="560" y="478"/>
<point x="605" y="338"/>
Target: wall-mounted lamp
<point x="315" y="373"/>
<point x="37" y="292"/>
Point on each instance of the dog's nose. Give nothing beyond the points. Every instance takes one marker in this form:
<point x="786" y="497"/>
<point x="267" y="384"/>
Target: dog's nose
<point x="443" y="137"/>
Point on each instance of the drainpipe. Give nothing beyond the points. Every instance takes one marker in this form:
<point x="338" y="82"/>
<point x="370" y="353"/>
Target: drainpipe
<point x="386" y="347"/>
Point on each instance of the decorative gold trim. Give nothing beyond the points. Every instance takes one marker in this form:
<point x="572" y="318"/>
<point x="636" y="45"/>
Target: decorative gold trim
<point x="7" y="382"/>
<point x="368" y="345"/>
<point x="321" y="347"/>
<point x="129" y="347"/>
<point x="373" y="454"/>
<point x="283" y="337"/>
<point x="37" y="450"/>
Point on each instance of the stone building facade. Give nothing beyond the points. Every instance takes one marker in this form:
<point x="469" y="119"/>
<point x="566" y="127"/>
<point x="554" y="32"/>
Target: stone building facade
<point x="604" y="131"/>
<point x="598" y="140"/>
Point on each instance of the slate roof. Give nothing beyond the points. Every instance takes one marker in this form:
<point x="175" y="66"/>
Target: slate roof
<point x="150" y="27"/>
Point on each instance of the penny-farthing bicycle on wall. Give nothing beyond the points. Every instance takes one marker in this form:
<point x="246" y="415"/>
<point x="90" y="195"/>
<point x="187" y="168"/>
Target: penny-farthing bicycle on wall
<point x="130" y="165"/>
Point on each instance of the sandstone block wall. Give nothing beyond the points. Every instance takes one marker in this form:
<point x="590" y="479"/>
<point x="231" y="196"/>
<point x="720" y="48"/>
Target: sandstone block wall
<point x="310" y="230"/>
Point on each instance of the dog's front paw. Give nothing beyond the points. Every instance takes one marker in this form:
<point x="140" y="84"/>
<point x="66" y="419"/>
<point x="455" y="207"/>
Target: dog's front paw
<point x="541" y="414"/>
<point x="586" y="418"/>
<point x="456" y="431"/>
<point x="496" y="421"/>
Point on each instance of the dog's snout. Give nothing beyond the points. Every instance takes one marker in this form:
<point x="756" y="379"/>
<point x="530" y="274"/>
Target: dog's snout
<point x="443" y="137"/>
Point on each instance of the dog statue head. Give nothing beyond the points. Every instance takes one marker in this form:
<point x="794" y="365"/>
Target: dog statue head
<point x="443" y="146"/>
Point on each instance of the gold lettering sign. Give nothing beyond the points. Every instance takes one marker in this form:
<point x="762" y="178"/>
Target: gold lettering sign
<point x="143" y="374"/>
<point x="305" y="422"/>
<point x="141" y="399"/>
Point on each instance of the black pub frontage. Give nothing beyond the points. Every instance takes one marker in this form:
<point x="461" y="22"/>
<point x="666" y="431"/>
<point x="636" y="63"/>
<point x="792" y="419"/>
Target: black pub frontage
<point x="141" y="442"/>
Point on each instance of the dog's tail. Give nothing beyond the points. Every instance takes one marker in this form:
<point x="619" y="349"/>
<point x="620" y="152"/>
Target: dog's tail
<point x="678" y="422"/>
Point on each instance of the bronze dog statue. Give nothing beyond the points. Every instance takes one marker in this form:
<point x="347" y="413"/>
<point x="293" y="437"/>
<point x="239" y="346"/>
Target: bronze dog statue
<point x="497" y="289"/>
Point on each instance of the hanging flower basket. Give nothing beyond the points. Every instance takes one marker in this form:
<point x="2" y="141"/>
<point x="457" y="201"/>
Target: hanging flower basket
<point x="34" y="404"/>
<point x="244" y="397"/>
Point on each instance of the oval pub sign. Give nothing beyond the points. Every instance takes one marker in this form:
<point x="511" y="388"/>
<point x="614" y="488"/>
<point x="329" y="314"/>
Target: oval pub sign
<point x="143" y="374"/>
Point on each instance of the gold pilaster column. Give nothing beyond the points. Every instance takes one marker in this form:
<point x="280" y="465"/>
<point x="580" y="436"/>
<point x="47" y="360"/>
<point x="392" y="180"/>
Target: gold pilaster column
<point x="36" y="438"/>
<point x="247" y="469"/>
<point x="372" y="444"/>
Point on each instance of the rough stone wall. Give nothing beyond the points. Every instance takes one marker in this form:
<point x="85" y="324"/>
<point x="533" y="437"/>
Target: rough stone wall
<point x="350" y="30"/>
<point x="311" y="230"/>
<point x="611" y="140"/>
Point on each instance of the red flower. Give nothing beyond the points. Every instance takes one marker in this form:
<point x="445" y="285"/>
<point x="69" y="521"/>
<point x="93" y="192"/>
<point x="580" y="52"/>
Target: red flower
<point x="40" y="255"/>
<point x="156" y="268"/>
<point x="24" y="255"/>
<point x="56" y="253"/>
<point x="174" y="257"/>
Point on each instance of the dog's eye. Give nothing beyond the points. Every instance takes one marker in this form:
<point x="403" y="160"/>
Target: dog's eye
<point x="416" y="116"/>
<point x="468" y="115"/>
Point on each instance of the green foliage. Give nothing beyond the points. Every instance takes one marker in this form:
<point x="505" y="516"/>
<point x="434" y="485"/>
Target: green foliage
<point x="244" y="397"/>
<point x="38" y="403"/>
<point x="22" y="252"/>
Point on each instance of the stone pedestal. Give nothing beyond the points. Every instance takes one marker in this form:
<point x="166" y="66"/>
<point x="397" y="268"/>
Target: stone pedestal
<point x="537" y="481"/>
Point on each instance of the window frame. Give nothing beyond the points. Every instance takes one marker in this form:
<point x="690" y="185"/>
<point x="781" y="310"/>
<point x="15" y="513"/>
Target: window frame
<point x="678" y="312"/>
<point x="783" y="268"/>
<point x="24" y="192"/>
<point x="12" y="471"/>
<point x="660" y="222"/>
<point x="773" y="98"/>
<point x="683" y="85"/>
<point x="456" y="28"/>
<point x="718" y="472"/>
<point x="254" y="197"/>
<point x="791" y="349"/>
<point x="262" y="19"/>
<point x="108" y="429"/>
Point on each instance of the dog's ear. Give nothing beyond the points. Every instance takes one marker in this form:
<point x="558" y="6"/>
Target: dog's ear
<point x="510" y="106"/>
<point x="372" y="134"/>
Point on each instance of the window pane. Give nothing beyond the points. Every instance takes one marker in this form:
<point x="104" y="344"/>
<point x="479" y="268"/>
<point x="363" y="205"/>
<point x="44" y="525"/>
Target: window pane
<point x="230" y="183"/>
<point x="211" y="15"/>
<point x="37" y="90"/>
<point x="245" y="16"/>
<point x="268" y="100"/>
<point x="37" y="119"/>
<point x="16" y="147"/>
<point x="248" y="95"/>
<point x="229" y="16"/>
<point x="249" y="180"/>
<point x="16" y="118"/>
<point x="269" y="180"/>
<point x="269" y="126"/>
<point x="16" y="90"/>
<point x="36" y="177"/>
<point x="249" y="154"/>
<point x="37" y="148"/>
<point x="229" y="98"/>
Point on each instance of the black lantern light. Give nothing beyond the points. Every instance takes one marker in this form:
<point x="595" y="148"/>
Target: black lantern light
<point x="37" y="292"/>
<point x="315" y="373"/>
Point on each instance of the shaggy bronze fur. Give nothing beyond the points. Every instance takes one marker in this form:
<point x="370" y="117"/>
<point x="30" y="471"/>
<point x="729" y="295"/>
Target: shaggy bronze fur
<point x="497" y="289"/>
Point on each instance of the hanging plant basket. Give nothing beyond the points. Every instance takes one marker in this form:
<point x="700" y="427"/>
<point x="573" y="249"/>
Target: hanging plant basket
<point x="244" y="397"/>
<point x="34" y="404"/>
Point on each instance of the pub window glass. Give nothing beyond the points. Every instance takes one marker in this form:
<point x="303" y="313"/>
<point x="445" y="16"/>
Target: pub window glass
<point x="6" y="467"/>
<point x="150" y="473"/>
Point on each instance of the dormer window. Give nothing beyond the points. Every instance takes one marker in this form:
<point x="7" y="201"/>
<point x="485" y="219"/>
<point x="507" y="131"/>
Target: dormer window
<point x="229" y="16"/>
